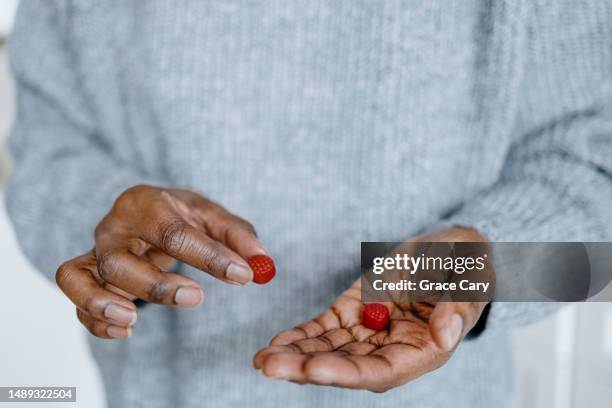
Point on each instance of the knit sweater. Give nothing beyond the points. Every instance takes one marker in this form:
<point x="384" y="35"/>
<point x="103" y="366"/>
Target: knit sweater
<point x="324" y="123"/>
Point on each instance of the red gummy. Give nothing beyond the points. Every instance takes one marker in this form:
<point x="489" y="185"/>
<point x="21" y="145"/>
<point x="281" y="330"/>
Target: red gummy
<point x="375" y="316"/>
<point x="263" y="268"/>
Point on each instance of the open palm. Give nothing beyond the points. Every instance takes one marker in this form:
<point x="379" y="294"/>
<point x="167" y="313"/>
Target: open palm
<point x="335" y="349"/>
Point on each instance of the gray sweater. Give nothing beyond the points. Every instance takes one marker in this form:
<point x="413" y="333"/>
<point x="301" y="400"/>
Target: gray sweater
<point x="324" y="123"/>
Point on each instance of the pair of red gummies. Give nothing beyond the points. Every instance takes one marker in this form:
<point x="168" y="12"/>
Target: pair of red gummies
<point x="263" y="268"/>
<point x="374" y="316"/>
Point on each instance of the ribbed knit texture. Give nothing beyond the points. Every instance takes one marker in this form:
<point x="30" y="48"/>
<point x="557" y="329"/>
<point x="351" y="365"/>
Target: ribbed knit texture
<point x="324" y="123"/>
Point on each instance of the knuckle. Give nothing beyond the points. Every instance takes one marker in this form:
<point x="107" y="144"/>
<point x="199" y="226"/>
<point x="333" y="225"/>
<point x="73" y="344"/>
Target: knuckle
<point x="63" y="273"/>
<point x="212" y="258"/>
<point x="172" y="235"/>
<point x="129" y="196"/>
<point x="89" y="303"/>
<point x="93" y="304"/>
<point x="133" y="198"/>
<point x="158" y="291"/>
<point x="109" y="264"/>
<point x="122" y="209"/>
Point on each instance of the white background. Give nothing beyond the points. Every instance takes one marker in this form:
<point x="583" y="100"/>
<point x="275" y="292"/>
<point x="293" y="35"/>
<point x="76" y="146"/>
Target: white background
<point x="563" y="361"/>
<point x="7" y="11"/>
<point x="40" y="341"/>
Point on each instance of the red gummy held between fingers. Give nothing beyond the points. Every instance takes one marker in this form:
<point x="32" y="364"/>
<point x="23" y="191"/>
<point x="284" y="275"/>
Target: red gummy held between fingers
<point x="263" y="268"/>
<point x="375" y="316"/>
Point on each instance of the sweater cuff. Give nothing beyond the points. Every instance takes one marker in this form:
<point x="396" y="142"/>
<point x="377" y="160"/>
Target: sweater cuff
<point x="524" y="211"/>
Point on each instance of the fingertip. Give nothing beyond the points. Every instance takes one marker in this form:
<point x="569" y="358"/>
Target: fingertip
<point x="258" y="359"/>
<point x="284" y="366"/>
<point x="260" y="356"/>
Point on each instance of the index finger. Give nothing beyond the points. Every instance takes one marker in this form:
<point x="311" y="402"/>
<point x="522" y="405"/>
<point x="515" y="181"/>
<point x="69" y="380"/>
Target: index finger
<point x="223" y="226"/>
<point x="177" y="238"/>
<point x="236" y="233"/>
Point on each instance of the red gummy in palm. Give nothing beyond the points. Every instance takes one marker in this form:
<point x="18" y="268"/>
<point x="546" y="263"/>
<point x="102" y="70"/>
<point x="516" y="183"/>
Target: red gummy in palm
<point x="263" y="268"/>
<point x="375" y="316"/>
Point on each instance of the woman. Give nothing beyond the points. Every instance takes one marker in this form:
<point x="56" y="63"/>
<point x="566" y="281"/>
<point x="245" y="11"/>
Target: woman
<point x="322" y="124"/>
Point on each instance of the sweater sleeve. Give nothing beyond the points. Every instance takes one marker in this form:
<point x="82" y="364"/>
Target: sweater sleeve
<point x="556" y="184"/>
<point x="65" y="177"/>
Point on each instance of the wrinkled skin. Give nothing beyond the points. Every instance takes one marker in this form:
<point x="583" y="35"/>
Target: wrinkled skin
<point x="335" y="349"/>
<point x="138" y="241"/>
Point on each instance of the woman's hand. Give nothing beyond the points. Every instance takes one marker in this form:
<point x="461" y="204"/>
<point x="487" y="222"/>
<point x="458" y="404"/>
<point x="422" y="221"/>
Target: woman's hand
<point x="335" y="349"/>
<point x="142" y="236"/>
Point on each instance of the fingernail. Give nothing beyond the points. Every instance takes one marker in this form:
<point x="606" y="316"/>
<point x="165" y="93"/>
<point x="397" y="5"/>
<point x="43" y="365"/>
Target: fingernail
<point x="188" y="296"/>
<point x="238" y="273"/>
<point x="452" y="332"/>
<point x="117" y="332"/>
<point x="120" y="314"/>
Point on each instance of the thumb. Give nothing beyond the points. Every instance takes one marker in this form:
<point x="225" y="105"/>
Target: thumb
<point x="451" y="321"/>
